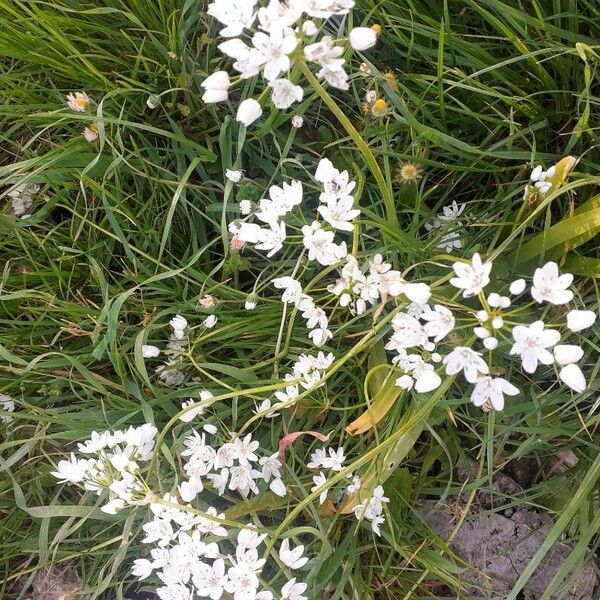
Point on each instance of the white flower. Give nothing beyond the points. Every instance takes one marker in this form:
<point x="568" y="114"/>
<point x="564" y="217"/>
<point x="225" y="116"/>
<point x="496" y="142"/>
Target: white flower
<point x="339" y="213"/>
<point x="247" y="232"/>
<point x="272" y="239"/>
<point x="216" y="87"/>
<point x="517" y="287"/>
<point x="242" y="582"/>
<point x="248" y="111"/>
<point x="90" y="134"/>
<point x="149" y="351"/>
<point x="142" y="568"/>
<point x="278" y="487"/>
<point x="178" y="323"/>
<point x="491" y="343"/>
<point x="297" y="121"/>
<point x="572" y="376"/>
<point x="188" y="490"/>
<point x="292" y="288"/>
<point x="292" y="558"/>
<point x="532" y="342"/>
<point x="320" y="480"/>
<point x="426" y="379"/>
<point x="319" y="336"/>
<point x="440" y="322"/>
<point x="336" y="184"/>
<point x="191" y="414"/>
<point x="210" y="581"/>
<point x="250" y="303"/>
<point x="285" y="93"/>
<point x="491" y="390"/>
<point x="471" y="278"/>
<point x="271" y="51"/>
<point x="234" y="176"/>
<point x="551" y="287"/>
<point x="405" y="382"/>
<point x="210" y="321"/>
<point x="293" y="591"/>
<point x="325" y="53"/>
<point x="540" y="178"/>
<point x="362" y="38"/>
<point x="578" y="320"/>
<point x="565" y="354"/>
<point x="78" y="101"/>
<point x="466" y="360"/>
<point x="236" y="15"/>
<point x="320" y="246"/>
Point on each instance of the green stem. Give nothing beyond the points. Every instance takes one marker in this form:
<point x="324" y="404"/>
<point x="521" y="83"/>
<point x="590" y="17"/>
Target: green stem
<point x="386" y="193"/>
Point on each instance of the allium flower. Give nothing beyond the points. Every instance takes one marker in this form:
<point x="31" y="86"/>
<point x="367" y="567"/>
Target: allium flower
<point x="491" y="390"/>
<point x="293" y="591"/>
<point x="292" y="558"/>
<point x="362" y="38"/>
<point x="272" y="50"/>
<point x="540" y="178"/>
<point x="236" y="15"/>
<point x="578" y="320"/>
<point x="440" y="322"/>
<point x="272" y="239"/>
<point x="339" y="213"/>
<point x="320" y="245"/>
<point x="336" y="184"/>
<point x="551" y="287"/>
<point x="285" y="93"/>
<point x="532" y="344"/>
<point x="471" y="278"/>
<point x="210" y="581"/>
<point x="466" y="360"/>
<point x="78" y="101"/>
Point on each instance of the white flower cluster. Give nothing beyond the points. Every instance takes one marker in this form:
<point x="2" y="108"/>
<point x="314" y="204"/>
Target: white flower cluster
<point x="270" y="39"/>
<point x="7" y="404"/>
<point x="357" y="290"/>
<point x="193" y="557"/>
<point x="22" y="197"/>
<point x="372" y="509"/>
<point x="231" y="466"/>
<point x="447" y="222"/>
<point x="532" y="342"/>
<point x="542" y="181"/>
<point x="191" y="554"/>
<point x="169" y="372"/>
<point x="336" y="209"/>
<point x="306" y="372"/>
<point x="315" y="317"/>
<point x="114" y="467"/>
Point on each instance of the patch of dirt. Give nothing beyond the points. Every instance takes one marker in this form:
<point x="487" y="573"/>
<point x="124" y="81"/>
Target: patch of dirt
<point x="56" y="583"/>
<point x="498" y="546"/>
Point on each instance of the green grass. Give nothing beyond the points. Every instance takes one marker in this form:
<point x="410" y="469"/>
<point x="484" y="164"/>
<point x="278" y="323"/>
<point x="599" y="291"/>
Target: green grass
<point x="127" y="231"/>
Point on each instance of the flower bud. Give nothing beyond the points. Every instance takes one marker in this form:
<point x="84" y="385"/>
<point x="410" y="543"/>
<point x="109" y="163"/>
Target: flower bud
<point x="216" y="86"/>
<point x="149" y="351"/>
<point x="578" y="320"/>
<point x="517" y="287"/>
<point x="572" y="376"/>
<point x="362" y="38"/>
<point x="566" y="354"/>
<point x="248" y="111"/>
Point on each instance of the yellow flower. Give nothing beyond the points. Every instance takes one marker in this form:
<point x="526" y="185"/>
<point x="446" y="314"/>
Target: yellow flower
<point x="390" y="79"/>
<point x="408" y="173"/>
<point x="78" y="101"/>
<point x="379" y="108"/>
<point x="376" y="28"/>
